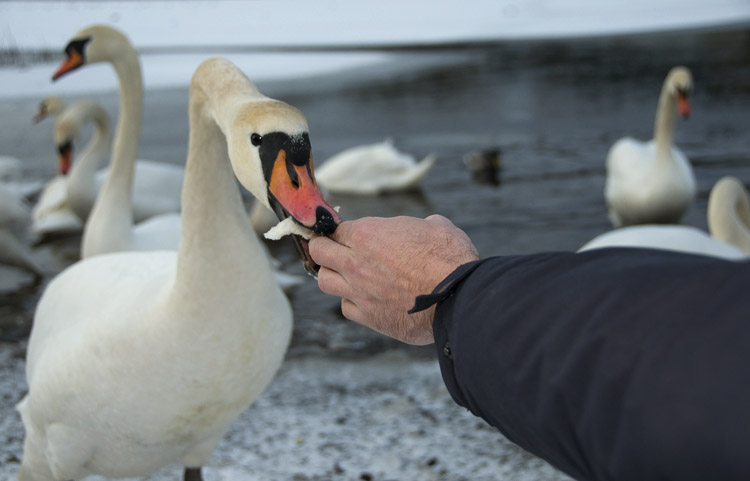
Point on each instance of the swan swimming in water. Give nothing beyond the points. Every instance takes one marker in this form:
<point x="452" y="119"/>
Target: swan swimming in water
<point x="372" y="169"/>
<point x="652" y="182"/>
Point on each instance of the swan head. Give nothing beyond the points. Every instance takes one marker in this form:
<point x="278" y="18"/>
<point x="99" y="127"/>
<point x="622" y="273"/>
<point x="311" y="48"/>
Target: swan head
<point x="49" y="106"/>
<point x="66" y="134"/>
<point x="679" y="85"/>
<point x="271" y="155"/>
<point x="98" y="43"/>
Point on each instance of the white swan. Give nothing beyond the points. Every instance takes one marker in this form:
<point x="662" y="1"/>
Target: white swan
<point x="157" y="185"/>
<point x="51" y="106"/>
<point x="372" y="169"/>
<point x="51" y="215"/>
<point x="14" y="213"/>
<point x="729" y="213"/>
<point x="140" y="359"/>
<point x="728" y="219"/>
<point x="109" y="227"/>
<point x="653" y="182"/>
<point x="85" y="180"/>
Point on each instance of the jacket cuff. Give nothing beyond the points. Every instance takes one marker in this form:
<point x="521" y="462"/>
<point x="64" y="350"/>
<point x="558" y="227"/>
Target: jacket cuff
<point x="443" y="297"/>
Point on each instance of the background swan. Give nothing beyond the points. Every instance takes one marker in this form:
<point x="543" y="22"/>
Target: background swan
<point x="109" y="227"/>
<point x="729" y="213"/>
<point x="14" y="216"/>
<point x="51" y="215"/>
<point x="51" y="106"/>
<point x="728" y="219"/>
<point x="140" y="359"/>
<point x="86" y="175"/>
<point x="652" y="182"/>
<point x="372" y="169"/>
<point x="158" y="189"/>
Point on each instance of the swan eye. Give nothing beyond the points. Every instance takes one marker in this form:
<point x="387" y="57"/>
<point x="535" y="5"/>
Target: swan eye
<point x="256" y="139"/>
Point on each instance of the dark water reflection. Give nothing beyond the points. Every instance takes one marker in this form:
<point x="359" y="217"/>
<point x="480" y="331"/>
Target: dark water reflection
<point x="553" y="107"/>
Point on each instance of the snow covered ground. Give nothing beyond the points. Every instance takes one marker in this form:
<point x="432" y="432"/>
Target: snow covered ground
<point x="384" y="418"/>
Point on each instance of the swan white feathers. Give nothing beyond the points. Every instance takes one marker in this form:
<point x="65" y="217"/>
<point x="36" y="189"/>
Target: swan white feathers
<point x="729" y="225"/>
<point x="372" y="169"/>
<point x="14" y="215"/>
<point x="140" y="359"/>
<point x="652" y="182"/>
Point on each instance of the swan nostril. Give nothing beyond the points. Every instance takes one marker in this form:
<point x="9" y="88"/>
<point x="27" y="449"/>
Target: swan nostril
<point x="325" y="224"/>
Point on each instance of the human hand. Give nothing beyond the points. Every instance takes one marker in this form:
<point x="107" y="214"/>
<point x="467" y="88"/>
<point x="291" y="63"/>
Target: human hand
<point x="379" y="265"/>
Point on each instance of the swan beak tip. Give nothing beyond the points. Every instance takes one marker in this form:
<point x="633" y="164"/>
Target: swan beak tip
<point x="72" y="61"/>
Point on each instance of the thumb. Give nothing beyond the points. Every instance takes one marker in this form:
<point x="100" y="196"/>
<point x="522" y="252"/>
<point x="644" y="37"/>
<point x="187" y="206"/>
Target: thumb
<point x="439" y="219"/>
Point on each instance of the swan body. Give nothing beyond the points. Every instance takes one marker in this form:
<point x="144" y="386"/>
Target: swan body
<point x="728" y="219"/>
<point x="14" y="212"/>
<point x="12" y="178"/>
<point x="372" y="169"/>
<point x="679" y="238"/>
<point x="140" y="359"/>
<point x="51" y="214"/>
<point x="652" y="182"/>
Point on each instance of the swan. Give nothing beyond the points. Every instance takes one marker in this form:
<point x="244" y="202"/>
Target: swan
<point x="729" y="213"/>
<point x="372" y="169"/>
<point x="109" y="226"/>
<point x="141" y="359"/>
<point x="84" y="182"/>
<point x="157" y="185"/>
<point x="51" y="215"/>
<point x="14" y="212"/>
<point x="51" y="106"/>
<point x="652" y="182"/>
<point x="728" y="219"/>
<point x="85" y="178"/>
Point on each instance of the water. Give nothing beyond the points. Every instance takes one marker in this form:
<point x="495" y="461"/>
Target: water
<point x="553" y="107"/>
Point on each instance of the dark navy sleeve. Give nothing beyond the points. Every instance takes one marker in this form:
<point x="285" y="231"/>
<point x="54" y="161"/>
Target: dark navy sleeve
<point x="616" y="364"/>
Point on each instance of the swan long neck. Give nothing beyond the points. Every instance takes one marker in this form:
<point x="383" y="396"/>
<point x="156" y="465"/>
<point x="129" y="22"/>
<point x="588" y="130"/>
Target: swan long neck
<point x="112" y="214"/>
<point x="666" y="115"/>
<point x="729" y="214"/>
<point x="91" y="158"/>
<point x="217" y="241"/>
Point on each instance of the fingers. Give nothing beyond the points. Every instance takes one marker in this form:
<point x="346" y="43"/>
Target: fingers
<point x="342" y="234"/>
<point x="350" y="310"/>
<point x="327" y="252"/>
<point x="333" y="283"/>
<point x="438" y="219"/>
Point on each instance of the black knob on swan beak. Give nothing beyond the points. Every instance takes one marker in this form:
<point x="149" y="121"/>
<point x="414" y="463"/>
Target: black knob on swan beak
<point x="325" y="225"/>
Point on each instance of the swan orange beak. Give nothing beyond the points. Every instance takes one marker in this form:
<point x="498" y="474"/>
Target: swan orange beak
<point x="294" y="187"/>
<point x="292" y="191"/>
<point x="64" y="157"/>
<point x="41" y="115"/>
<point x="73" y="60"/>
<point x="683" y="104"/>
